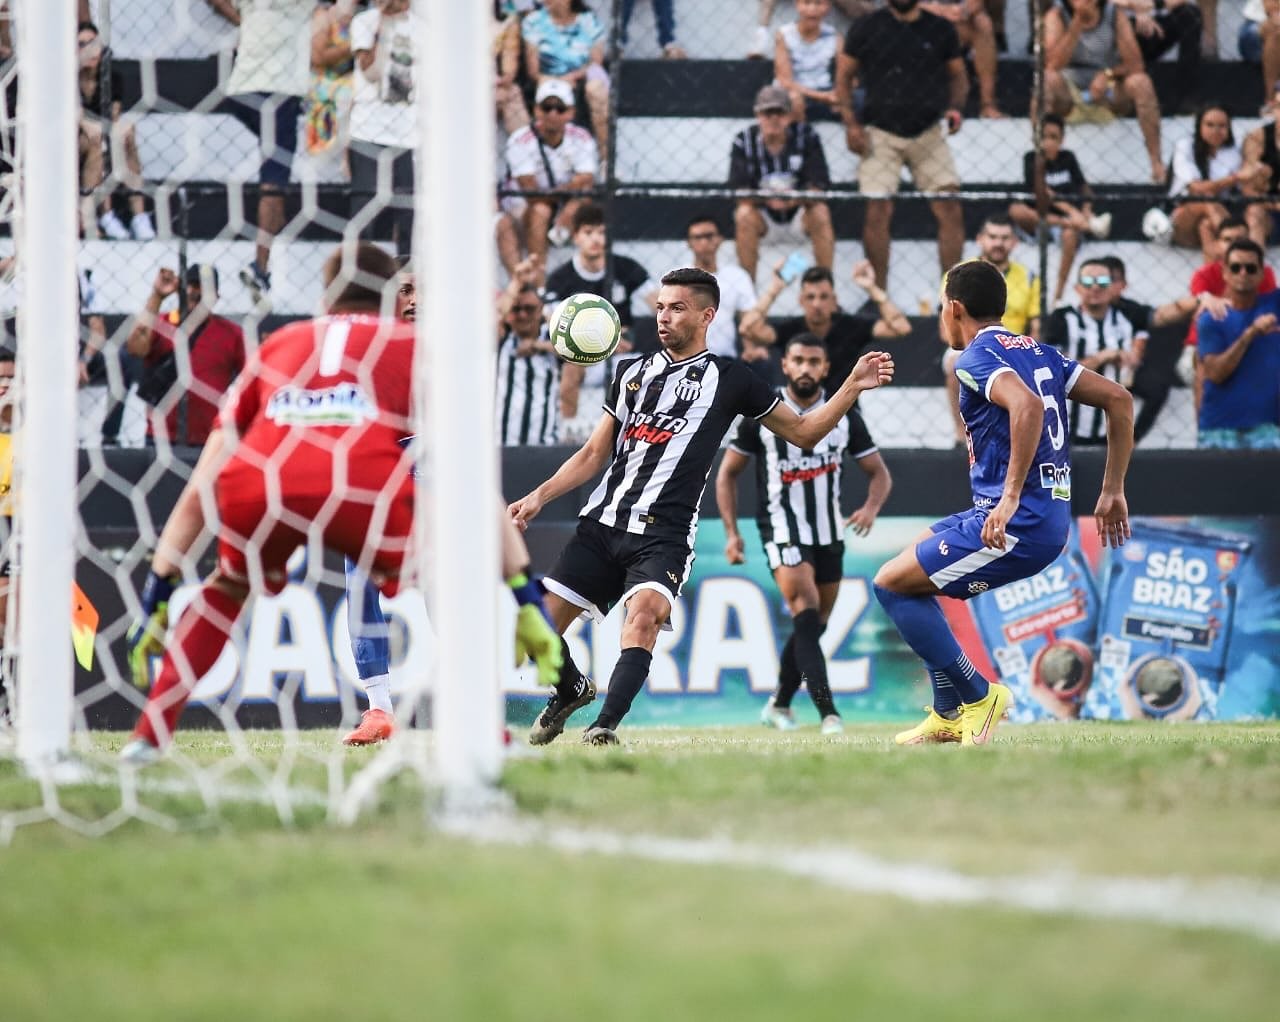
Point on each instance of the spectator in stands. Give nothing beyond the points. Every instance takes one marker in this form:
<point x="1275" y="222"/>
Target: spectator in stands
<point x="664" y="14"/>
<point x="103" y="127"/>
<point x="1150" y="384"/>
<point x="996" y="241"/>
<point x="1259" y="39"/>
<point x="1099" y="337"/>
<point x="535" y="389"/>
<point x="1261" y="171"/>
<point x="847" y="336"/>
<point x="779" y="154"/>
<point x="977" y="35"/>
<point x="328" y="104"/>
<point x="1093" y="63"/>
<point x="1159" y="26"/>
<point x="1058" y="178"/>
<point x="512" y="113"/>
<point x="736" y="314"/>
<point x="383" y="122"/>
<point x="91" y="397"/>
<point x="762" y="40"/>
<point x="271" y="74"/>
<point x="619" y="279"/>
<point x="215" y="353"/>
<point x="553" y="154"/>
<point x="912" y="67"/>
<point x="1240" y="355"/>
<point x="804" y="61"/>
<point x="564" y="39"/>
<point x="1206" y="167"/>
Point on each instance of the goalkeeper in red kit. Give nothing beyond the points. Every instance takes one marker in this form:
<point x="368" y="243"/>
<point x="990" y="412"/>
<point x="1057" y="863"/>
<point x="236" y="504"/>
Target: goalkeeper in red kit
<point x="308" y="449"/>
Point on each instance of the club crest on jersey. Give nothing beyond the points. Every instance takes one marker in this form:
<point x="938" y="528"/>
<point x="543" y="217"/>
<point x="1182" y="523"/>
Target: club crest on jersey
<point x="688" y="389"/>
<point x="342" y="405"/>
<point x="1057" y="480"/>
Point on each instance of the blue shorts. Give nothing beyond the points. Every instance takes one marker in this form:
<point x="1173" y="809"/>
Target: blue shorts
<point x="958" y="564"/>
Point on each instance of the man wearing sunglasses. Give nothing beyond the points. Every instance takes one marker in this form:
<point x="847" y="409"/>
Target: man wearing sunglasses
<point x="1240" y="357"/>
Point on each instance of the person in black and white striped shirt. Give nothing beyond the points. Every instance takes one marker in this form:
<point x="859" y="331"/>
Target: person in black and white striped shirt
<point x="664" y="418"/>
<point x="535" y="390"/>
<point x="800" y="522"/>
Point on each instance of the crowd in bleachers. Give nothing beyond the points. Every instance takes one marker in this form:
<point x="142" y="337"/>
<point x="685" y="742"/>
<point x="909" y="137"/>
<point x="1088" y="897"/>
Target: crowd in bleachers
<point x="865" y="98"/>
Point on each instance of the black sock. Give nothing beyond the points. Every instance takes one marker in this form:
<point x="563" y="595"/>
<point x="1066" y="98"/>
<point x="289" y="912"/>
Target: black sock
<point x="628" y="678"/>
<point x="812" y="664"/>
<point x="789" y="678"/>
<point x="567" y="686"/>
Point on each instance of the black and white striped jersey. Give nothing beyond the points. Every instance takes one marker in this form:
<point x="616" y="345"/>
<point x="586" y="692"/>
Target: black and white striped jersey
<point x="1078" y="335"/>
<point x="670" y="420"/>
<point x="528" y="398"/>
<point x="798" y="490"/>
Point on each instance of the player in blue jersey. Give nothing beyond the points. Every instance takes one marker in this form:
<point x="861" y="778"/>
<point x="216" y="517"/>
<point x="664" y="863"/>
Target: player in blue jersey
<point x="1013" y="398"/>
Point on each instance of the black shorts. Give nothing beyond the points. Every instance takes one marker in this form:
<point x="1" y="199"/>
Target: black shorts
<point x="602" y="565"/>
<point x="274" y="120"/>
<point x="827" y="560"/>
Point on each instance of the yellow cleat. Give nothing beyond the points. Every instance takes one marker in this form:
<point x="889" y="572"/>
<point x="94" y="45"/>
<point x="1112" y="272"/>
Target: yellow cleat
<point x="934" y="728"/>
<point x="978" y="720"/>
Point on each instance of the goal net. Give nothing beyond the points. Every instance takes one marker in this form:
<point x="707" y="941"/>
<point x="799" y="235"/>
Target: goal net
<point x="178" y="214"/>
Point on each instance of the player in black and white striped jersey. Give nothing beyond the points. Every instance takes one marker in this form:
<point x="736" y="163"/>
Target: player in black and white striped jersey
<point x="665" y="417"/>
<point x="801" y="524"/>
<point x="534" y="389"/>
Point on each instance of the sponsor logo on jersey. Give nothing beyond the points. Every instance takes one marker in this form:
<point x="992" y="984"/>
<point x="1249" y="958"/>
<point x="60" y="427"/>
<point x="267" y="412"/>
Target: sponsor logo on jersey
<point x="342" y="405"/>
<point x="808" y="467"/>
<point x="1057" y="480"/>
<point x="653" y="427"/>
<point x="1009" y="341"/>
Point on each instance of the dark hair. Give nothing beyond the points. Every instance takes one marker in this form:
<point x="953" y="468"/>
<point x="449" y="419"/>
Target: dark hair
<point x="807" y="340"/>
<point x="816" y="275"/>
<point x="87" y="26"/>
<point x="700" y="282"/>
<point x="1228" y="223"/>
<point x="1057" y="119"/>
<point x="586" y="215"/>
<point x="702" y="218"/>
<point x="7" y="355"/>
<point x="528" y="287"/>
<point x="1113" y="263"/>
<point x="997" y="220"/>
<point x="357" y="282"/>
<point x="1199" y="147"/>
<point x="1247" y="245"/>
<point x="1095" y="261"/>
<point x="979" y="287"/>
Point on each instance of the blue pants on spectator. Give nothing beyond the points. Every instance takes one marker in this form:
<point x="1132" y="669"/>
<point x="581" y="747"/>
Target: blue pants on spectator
<point x="663" y="12"/>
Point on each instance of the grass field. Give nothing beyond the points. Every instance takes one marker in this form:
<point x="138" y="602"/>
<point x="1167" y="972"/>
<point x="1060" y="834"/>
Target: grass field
<point x="711" y="874"/>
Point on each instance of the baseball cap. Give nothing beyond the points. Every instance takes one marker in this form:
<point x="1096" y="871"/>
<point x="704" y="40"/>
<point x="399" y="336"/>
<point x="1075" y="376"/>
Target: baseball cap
<point x="555" y="88"/>
<point x="772" y="97"/>
<point x="195" y="275"/>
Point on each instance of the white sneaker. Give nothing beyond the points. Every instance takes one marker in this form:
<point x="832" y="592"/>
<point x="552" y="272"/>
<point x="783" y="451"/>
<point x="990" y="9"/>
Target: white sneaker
<point x="1100" y="225"/>
<point x="559" y="236"/>
<point x="142" y="228"/>
<point x="759" y="43"/>
<point x="832" y="724"/>
<point x="780" y="717"/>
<point x="139" y="753"/>
<point x="111" y="226"/>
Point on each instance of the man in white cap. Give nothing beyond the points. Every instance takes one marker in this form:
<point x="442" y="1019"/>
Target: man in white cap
<point x="552" y="154"/>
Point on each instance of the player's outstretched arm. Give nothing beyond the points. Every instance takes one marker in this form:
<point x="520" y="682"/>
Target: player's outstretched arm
<point x="731" y="466"/>
<point x="582" y="465"/>
<point x="1026" y="422"/>
<point x="1112" y="511"/>
<point x="874" y="369"/>
<point x="879" y="483"/>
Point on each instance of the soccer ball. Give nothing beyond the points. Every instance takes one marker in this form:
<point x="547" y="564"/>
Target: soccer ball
<point x="585" y="329"/>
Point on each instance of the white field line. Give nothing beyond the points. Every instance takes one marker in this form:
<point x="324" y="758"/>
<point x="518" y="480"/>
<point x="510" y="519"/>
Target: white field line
<point x="1238" y="905"/>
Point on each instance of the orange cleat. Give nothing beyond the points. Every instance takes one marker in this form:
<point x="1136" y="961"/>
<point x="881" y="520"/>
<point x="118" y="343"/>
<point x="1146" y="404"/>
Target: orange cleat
<point x="375" y="726"/>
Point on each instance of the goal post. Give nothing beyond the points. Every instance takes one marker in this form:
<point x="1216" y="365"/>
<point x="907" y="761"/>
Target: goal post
<point x="46" y="454"/>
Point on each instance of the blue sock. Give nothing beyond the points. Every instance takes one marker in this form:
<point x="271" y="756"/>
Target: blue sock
<point x="946" y="700"/>
<point x="370" y="638"/>
<point x="923" y="627"/>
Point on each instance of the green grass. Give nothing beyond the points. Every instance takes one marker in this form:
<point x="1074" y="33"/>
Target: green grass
<point x="237" y="917"/>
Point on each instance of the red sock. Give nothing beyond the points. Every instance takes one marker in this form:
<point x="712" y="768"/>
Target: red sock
<point x="198" y="641"/>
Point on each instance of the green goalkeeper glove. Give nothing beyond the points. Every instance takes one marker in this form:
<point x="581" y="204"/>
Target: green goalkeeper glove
<point x="535" y="636"/>
<point x="146" y="637"/>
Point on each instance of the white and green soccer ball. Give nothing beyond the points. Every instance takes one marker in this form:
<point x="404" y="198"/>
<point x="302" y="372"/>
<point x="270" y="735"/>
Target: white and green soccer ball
<point x="585" y="329"/>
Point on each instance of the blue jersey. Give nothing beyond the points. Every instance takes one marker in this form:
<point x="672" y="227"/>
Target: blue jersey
<point x="1045" y="503"/>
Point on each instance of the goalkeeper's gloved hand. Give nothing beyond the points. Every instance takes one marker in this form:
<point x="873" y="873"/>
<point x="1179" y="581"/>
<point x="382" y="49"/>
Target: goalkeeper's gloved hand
<point x="536" y="638"/>
<point x="146" y="637"/>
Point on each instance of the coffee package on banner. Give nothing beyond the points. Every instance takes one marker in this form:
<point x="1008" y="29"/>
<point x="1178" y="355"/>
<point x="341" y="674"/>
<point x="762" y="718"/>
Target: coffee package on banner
<point x="1040" y="634"/>
<point x="1168" y="608"/>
